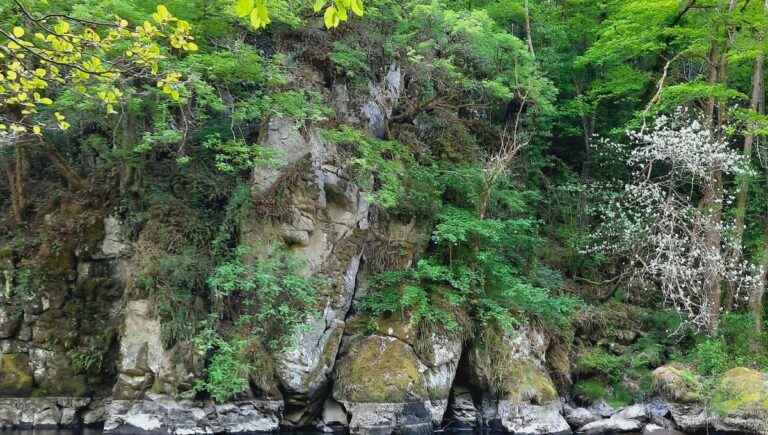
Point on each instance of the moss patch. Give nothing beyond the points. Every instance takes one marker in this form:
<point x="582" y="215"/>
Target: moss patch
<point x="15" y="375"/>
<point x="380" y="370"/>
<point x="526" y="382"/>
<point x="677" y="383"/>
<point x="743" y="391"/>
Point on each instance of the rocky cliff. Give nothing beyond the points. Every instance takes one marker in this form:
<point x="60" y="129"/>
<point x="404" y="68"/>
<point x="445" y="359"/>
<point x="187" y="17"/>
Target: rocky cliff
<point x="342" y="373"/>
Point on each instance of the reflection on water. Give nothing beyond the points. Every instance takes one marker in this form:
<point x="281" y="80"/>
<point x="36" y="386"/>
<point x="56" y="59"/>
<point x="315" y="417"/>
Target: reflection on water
<point x="98" y="431"/>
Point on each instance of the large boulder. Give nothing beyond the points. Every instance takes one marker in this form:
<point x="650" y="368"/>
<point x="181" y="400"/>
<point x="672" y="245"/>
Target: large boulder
<point x="143" y="363"/>
<point x="141" y="351"/>
<point x="682" y="391"/>
<point x="740" y="401"/>
<point x="578" y="417"/>
<point x="614" y="424"/>
<point x="390" y="381"/>
<point x="519" y="395"/>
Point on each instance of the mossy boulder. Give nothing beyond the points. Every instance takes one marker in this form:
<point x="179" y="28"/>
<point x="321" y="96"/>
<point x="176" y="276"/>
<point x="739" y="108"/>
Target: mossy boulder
<point x="740" y="401"/>
<point x="676" y="383"/>
<point x="511" y="366"/>
<point x="379" y="369"/>
<point x="15" y="375"/>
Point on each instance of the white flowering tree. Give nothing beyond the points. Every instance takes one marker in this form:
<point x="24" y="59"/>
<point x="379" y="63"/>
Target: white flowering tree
<point x="668" y="221"/>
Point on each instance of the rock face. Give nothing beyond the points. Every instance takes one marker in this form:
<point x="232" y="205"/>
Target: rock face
<point x="143" y="363"/>
<point x="518" y="393"/>
<point x="387" y="385"/>
<point x="163" y="415"/>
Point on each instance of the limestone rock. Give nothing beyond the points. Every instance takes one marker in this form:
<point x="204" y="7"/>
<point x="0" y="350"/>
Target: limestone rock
<point x="526" y="419"/>
<point x="141" y="351"/>
<point x="634" y="412"/>
<point x="689" y="417"/>
<point x="389" y="418"/>
<point x="162" y="415"/>
<point x="333" y="414"/>
<point x="381" y="370"/>
<point x="41" y="412"/>
<point x="53" y="372"/>
<point x="578" y="417"/>
<point x="602" y="408"/>
<point x="384" y="97"/>
<point x="462" y="411"/>
<point x="114" y="244"/>
<point x="653" y="429"/>
<point x="614" y="424"/>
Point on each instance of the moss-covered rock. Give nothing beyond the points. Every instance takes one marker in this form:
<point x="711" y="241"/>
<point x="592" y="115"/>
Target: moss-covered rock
<point x="379" y="369"/>
<point x="15" y="375"/>
<point x="677" y="383"/>
<point x="511" y="366"/>
<point x="740" y="400"/>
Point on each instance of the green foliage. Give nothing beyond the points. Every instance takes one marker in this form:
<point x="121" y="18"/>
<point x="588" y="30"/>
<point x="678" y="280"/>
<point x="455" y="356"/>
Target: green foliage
<point x="378" y="165"/>
<point x="732" y="347"/>
<point x="228" y="371"/>
<point x="349" y="61"/>
<point x="235" y="155"/>
<point x="276" y="299"/>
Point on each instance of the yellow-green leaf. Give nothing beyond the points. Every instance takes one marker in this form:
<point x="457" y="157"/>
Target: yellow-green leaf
<point x="62" y="27"/>
<point x="331" y="17"/>
<point x="243" y="7"/>
<point x="357" y="7"/>
<point x="162" y="15"/>
<point x="18" y="32"/>
<point x="318" y="5"/>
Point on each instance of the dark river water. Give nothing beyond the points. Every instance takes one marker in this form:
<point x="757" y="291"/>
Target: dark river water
<point x="88" y="431"/>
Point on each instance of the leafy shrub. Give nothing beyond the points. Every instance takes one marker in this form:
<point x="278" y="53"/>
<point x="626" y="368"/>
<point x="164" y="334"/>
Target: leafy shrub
<point x="350" y="61"/>
<point x="227" y="373"/>
<point x="599" y="361"/>
<point x="275" y="299"/>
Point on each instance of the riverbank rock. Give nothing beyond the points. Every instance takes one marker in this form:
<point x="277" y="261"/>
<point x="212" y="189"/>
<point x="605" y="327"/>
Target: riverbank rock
<point x="163" y="415"/>
<point x="740" y="402"/>
<point x="386" y="382"/>
<point x="519" y="395"/>
<point x="42" y="412"/>
<point x="578" y="417"/>
<point x="681" y="389"/>
<point x="613" y="424"/>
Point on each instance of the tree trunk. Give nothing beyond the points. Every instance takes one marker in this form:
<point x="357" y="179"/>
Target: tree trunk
<point x="75" y="181"/>
<point x="528" y="32"/>
<point x="712" y="210"/>
<point x="16" y="173"/>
